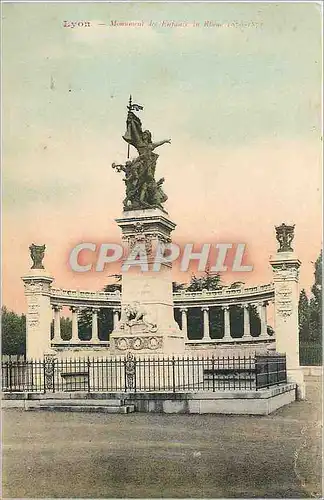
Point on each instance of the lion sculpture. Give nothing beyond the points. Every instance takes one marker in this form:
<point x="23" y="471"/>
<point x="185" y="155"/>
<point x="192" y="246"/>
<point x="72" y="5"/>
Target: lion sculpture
<point x="133" y="314"/>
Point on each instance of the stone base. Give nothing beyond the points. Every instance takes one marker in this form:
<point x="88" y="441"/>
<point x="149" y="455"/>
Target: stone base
<point x="262" y="402"/>
<point x="297" y="376"/>
<point x="147" y="326"/>
<point x="148" y="344"/>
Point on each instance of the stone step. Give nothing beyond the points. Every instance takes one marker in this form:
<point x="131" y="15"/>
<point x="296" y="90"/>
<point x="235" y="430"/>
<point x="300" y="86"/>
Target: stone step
<point x="81" y="408"/>
<point x="80" y="402"/>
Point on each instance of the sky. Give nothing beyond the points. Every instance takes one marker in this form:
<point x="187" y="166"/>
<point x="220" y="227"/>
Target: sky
<point x="241" y="103"/>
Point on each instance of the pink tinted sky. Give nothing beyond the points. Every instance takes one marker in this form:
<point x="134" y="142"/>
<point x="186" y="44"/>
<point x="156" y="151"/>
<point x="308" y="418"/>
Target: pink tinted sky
<point x="242" y="108"/>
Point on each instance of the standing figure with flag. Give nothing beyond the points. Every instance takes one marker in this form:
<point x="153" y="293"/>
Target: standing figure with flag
<point x="147" y="193"/>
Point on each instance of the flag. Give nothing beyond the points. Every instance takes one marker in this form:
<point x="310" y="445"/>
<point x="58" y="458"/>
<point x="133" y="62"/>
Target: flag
<point x="136" y="107"/>
<point x="133" y="134"/>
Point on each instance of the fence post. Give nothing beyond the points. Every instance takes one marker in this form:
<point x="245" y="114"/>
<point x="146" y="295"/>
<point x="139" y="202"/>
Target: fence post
<point x="130" y="372"/>
<point x="268" y="379"/>
<point x="255" y="370"/>
<point x="213" y="369"/>
<point x="88" y="367"/>
<point x="173" y="373"/>
<point x="9" y="374"/>
<point x="48" y="364"/>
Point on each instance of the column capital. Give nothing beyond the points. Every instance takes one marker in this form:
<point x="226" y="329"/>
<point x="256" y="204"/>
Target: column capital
<point x="116" y="310"/>
<point x="225" y="307"/>
<point x="75" y="309"/>
<point x="57" y="307"/>
<point x="183" y="309"/>
<point x="95" y="309"/>
<point x="204" y="308"/>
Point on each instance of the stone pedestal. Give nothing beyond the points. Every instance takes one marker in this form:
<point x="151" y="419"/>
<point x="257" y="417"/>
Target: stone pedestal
<point x="147" y="324"/>
<point x="39" y="313"/>
<point x="285" y="266"/>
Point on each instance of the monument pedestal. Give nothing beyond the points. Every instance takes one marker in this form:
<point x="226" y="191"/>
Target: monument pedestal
<point x="39" y="313"/>
<point x="285" y="267"/>
<point x="147" y="325"/>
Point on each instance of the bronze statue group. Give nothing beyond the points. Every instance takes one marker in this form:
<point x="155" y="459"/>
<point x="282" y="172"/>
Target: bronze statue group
<point x="142" y="190"/>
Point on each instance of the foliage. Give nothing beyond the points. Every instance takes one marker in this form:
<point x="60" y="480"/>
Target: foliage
<point x="303" y="316"/>
<point x="13" y="332"/>
<point x="178" y="287"/>
<point x="310" y="310"/>
<point x="66" y="328"/>
<point x="315" y="303"/>
<point x="114" y="287"/>
<point x="209" y="281"/>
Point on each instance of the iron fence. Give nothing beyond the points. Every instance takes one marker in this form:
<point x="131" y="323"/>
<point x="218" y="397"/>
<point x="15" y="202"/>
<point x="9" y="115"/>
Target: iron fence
<point x="171" y="374"/>
<point x="270" y="370"/>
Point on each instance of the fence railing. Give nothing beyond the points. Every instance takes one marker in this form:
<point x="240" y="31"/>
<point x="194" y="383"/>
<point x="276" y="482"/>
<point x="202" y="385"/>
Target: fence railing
<point x="172" y="374"/>
<point x="270" y="370"/>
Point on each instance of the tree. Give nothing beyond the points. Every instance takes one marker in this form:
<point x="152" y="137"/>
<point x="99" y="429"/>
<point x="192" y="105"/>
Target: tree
<point x="116" y="286"/>
<point x="178" y="287"/>
<point x="66" y="328"/>
<point x="303" y="316"/>
<point x="210" y="281"/>
<point x="315" y="303"/>
<point x="13" y="332"/>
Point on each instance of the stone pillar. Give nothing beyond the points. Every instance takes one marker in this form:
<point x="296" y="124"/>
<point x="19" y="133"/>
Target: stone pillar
<point x="263" y="319"/>
<point x="116" y="317"/>
<point x="39" y="315"/>
<point x="227" y="324"/>
<point x="285" y="266"/>
<point x="57" y="324"/>
<point x="95" y="336"/>
<point x="206" y="335"/>
<point x="147" y="287"/>
<point x="247" y="328"/>
<point x="75" y="333"/>
<point x="184" y="321"/>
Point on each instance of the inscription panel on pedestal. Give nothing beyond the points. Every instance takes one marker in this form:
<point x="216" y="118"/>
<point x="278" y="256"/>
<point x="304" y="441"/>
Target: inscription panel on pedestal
<point x="284" y="300"/>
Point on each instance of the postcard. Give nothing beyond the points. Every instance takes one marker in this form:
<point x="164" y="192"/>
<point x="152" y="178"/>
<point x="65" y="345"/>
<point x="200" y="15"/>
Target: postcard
<point x="161" y="242"/>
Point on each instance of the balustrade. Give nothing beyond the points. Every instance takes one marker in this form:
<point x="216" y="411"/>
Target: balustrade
<point x="227" y="337"/>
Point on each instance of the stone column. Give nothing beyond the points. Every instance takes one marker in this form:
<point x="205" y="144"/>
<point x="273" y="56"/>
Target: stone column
<point x="247" y="328"/>
<point x="263" y="318"/>
<point x="95" y="337"/>
<point x="285" y="266"/>
<point x="227" y="324"/>
<point x="206" y="334"/>
<point x="39" y="315"/>
<point x="184" y="321"/>
<point x="75" y="334"/>
<point x="116" y="317"/>
<point x="57" y="324"/>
